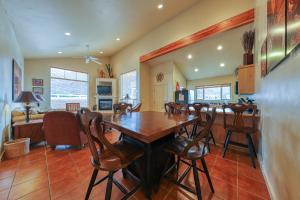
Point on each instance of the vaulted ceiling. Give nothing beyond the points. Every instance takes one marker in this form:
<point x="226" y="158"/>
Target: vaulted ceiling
<point x="206" y="57"/>
<point x="40" y="24"/>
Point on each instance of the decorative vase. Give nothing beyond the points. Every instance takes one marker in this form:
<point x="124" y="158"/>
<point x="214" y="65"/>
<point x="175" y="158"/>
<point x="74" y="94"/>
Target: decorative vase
<point x="248" y="59"/>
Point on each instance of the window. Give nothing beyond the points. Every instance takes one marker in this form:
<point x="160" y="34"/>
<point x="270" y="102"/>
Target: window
<point x="217" y="92"/>
<point x="129" y="85"/>
<point x="191" y="95"/>
<point x="68" y="87"/>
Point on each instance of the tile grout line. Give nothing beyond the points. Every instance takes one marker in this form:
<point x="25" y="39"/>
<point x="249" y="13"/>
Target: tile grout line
<point x="48" y="176"/>
<point x="15" y="173"/>
<point x="237" y="182"/>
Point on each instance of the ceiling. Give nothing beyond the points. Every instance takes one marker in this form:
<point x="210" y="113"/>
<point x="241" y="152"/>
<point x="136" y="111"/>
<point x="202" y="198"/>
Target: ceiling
<point x="40" y="24"/>
<point x="205" y="56"/>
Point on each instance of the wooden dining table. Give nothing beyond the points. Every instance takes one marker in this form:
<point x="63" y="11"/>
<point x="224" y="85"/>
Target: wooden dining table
<point x="151" y="130"/>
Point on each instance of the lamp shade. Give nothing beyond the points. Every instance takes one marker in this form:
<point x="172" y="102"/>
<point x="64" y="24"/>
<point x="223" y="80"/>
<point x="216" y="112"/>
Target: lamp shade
<point x="26" y="97"/>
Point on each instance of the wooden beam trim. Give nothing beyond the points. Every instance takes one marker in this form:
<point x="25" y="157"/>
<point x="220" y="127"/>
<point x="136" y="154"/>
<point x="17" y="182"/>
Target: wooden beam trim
<point x="228" y="24"/>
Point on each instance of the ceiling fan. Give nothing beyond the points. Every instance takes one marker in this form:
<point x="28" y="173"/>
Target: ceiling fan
<point x="88" y="58"/>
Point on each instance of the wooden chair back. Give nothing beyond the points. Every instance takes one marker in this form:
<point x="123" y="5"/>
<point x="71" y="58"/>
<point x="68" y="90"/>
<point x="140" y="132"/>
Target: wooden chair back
<point x="169" y="107"/>
<point x="198" y="138"/>
<point x="174" y="108"/>
<point x="200" y="108"/>
<point x="72" y="107"/>
<point x="213" y="115"/>
<point x="92" y="124"/>
<point x="120" y="108"/>
<point x="238" y="112"/>
<point x="136" y="108"/>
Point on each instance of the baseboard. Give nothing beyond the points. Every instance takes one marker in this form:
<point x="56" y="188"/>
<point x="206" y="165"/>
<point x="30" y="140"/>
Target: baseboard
<point x="268" y="183"/>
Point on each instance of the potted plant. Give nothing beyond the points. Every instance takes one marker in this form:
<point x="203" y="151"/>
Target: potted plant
<point x="248" y="43"/>
<point x="109" y="70"/>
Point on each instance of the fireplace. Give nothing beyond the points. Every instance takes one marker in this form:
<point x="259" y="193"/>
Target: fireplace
<point x="105" y="104"/>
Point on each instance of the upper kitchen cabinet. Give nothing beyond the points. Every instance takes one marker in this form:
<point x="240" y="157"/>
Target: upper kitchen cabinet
<point x="246" y="79"/>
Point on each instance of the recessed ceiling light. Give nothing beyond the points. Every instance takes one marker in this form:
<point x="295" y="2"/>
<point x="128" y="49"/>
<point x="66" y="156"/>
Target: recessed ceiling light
<point x="222" y="64"/>
<point x="220" y="47"/>
<point x="59" y="52"/>
<point x="101" y="52"/>
<point x="190" y="56"/>
<point x="118" y="39"/>
<point x="67" y="33"/>
<point x="196" y="69"/>
<point x="160" y="6"/>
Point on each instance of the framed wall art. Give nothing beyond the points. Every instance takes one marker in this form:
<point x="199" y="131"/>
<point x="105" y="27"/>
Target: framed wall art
<point x="293" y="24"/>
<point x="38" y="90"/>
<point x="276" y="25"/>
<point x="263" y="59"/>
<point x="37" y="82"/>
<point x="16" y="80"/>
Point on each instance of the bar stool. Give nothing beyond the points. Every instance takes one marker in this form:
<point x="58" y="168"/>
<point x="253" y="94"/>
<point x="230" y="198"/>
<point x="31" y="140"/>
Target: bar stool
<point x="107" y="156"/>
<point x="191" y="150"/>
<point x="174" y="108"/>
<point x="122" y="107"/>
<point x="238" y="126"/>
<point x="200" y="108"/>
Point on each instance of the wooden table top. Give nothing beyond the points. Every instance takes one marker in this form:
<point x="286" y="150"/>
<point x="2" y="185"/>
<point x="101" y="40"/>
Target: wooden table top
<point x="148" y="126"/>
<point x="32" y="121"/>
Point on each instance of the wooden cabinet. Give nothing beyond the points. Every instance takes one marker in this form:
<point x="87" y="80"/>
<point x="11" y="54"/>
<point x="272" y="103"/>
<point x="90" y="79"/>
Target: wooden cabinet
<point x="246" y="79"/>
<point x="31" y="129"/>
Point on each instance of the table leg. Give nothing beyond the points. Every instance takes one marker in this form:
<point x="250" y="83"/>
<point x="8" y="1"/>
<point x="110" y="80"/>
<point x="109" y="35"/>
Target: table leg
<point x="148" y="188"/>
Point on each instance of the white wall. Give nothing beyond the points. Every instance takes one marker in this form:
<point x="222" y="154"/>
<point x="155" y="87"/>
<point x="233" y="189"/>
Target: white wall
<point x="278" y="95"/>
<point x="178" y="77"/>
<point x="200" y="16"/>
<point x="9" y="50"/>
<point x="40" y="68"/>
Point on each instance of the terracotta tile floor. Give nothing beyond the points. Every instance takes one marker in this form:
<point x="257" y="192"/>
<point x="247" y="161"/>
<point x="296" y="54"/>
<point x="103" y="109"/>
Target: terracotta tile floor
<point x="64" y="174"/>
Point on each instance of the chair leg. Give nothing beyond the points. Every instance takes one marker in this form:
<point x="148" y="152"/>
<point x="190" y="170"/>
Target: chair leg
<point x="195" y="126"/>
<point x="253" y="145"/>
<point x="186" y="131"/>
<point x="212" y="137"/>
<point x="227" y="141"/>
<point x="207" y="175"/>
<point x="178" y="163"/>
<point x="251" y="150"/>
<point x="196" y="179"/>
<point x="91" y="184"/>
<point x="109" y="186"/>
<point x="121" y="136"/>
<point x="124" y="173"/>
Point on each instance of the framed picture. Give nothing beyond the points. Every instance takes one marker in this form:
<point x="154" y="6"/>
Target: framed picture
<point x="16" y="80"/>
<point x="293" y="28"/>
<point x="38" y="90"/>
<point x="276" y="42"/>
<point x="263" y="59"/>
<point x="37" y="82"/>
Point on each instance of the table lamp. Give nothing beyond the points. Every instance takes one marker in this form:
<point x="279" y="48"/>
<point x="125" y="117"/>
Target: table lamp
<point x="26" y="97"/>
<point x="40" y="98"/>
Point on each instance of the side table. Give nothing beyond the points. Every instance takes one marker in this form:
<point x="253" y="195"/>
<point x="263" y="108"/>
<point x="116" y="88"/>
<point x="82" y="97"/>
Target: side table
<point x="31" y="129"/>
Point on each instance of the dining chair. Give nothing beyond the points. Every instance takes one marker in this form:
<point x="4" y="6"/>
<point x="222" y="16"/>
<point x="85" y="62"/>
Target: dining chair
<point x="199" y="108"/>
<point x="174" y="108"/>
<point x="169" y="107"/>
<point x="121" y="108"/>
<point x="136" y="108"/>
<point x="72" y="107"/>
<point x="238" y="126"/>
<point x="190" y="149"/>
<point x="109" y="157"/>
